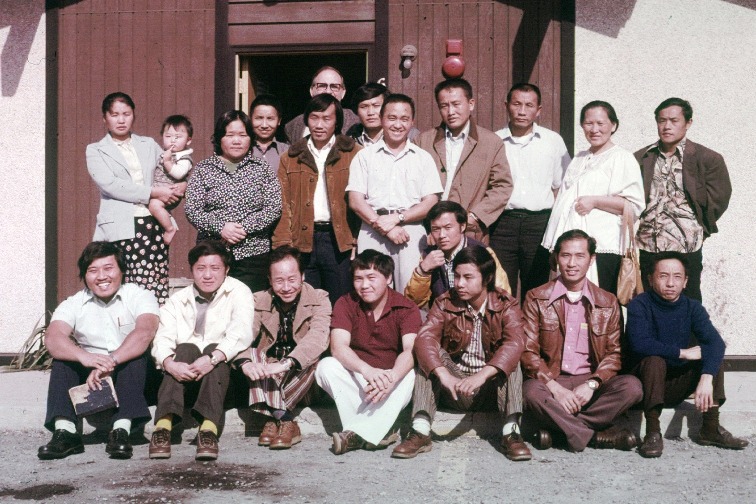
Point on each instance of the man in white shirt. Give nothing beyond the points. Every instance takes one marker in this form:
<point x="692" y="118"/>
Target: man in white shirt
<point x="102" y="330"/>
<point x="202" y="328"/>
<point x="392" y="185"/>
<point x="537" y="159"/>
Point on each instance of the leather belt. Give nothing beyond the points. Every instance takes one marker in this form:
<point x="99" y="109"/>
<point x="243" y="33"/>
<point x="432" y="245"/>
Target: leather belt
<point x="323" y="226"/>
<point x="384" y="211"/>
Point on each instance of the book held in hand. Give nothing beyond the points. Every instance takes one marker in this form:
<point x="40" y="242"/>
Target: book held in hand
<point x="87" y="402"/>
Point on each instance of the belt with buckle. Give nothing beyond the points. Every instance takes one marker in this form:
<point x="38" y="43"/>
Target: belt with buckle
<point x="384" y="211"/>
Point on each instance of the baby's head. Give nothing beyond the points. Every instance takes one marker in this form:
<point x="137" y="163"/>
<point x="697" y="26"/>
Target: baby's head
<point x="177" y="133"/>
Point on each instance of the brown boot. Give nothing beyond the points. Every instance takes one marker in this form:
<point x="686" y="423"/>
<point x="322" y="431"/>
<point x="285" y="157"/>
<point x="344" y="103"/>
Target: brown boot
<point x="414" y="444"/>
<point x="289" y="434"/>
<point x="269" y="432"/>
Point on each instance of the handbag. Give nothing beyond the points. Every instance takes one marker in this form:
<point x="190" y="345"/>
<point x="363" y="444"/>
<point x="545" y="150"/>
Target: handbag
<point x="629" y="282"/>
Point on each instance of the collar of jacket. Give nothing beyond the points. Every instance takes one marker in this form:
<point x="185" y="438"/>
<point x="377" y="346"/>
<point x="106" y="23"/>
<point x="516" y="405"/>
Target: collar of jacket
<point x="226" y="287"/>
<point x="497" y="301"/>
<point x="441" y="132"/>
<point x="601" y="298"/>
<point x="299" y="150"/>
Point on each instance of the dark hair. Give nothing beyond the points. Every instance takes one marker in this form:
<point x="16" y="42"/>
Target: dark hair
<point x="279" y="254"/>
<point x="222" y="123"/>
<point x="481" y="258"/>
<point x="368" y="92"/>
<point x="208" y="248"/>
<point x="442" y="207"/>
<point x="97" y="250"/>
<point x="398" y="98"/>
<point x="669" y="254"/>
<point x="687" y="110"/>
<point x="372" y="259"/>
<point x="524" y="87"/>
<point x="604" y="105"/>
<point x="270" y="100"/>
<point x="576" y="234"/>
<point x="323" y="69"/>
<point x="176" y="121"/>
<point x="320" y="103"/>
<point x="118" y="96"/>
<point x="457" y="82"/>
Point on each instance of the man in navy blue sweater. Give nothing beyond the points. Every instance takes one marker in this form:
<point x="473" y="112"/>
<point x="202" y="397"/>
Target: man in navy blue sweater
<point x="659" y="325"/>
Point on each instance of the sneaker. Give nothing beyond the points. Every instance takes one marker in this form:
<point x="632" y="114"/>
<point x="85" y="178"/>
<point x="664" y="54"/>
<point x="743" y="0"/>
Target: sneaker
<point x="346" y="441"/>
<point x="62" y="444"/>
<point x="415" y="444"/>
<point x="207" y="445"/>
<point x="160" y="444"/>
<point x="119" y="446"/>
<point x="722" y="439"/>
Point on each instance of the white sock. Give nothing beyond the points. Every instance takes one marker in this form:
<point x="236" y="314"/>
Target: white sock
<point x="66" y="425"/>
<point x="123" y="423"/>
<point x="511" y="424"/>
<point x="422" y="425"/>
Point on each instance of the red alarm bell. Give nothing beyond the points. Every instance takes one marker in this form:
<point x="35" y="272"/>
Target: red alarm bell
<point x="454" y="64"/>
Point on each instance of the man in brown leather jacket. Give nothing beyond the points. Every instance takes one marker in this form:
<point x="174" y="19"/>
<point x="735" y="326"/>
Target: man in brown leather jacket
<point x="572" y="355"/>
<point x="468" y="351"/>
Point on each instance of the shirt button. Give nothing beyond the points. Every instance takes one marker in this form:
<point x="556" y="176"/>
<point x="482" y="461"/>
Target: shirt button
<point x="307" y="204"/>
<point x="304" y="227"/>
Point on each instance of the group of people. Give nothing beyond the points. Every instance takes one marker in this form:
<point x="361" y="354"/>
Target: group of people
<point x="455" y="267"/>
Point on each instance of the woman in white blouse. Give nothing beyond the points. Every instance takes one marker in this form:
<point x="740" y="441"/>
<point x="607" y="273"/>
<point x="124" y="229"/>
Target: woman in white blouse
<point x="595" y="188"/>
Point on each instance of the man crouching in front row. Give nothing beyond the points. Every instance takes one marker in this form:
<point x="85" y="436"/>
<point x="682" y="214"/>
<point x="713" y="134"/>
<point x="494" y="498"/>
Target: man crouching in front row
<point x="469" y="352"/>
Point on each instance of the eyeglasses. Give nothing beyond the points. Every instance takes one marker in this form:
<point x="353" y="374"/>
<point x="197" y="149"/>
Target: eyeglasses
<point x="320" y="86"/>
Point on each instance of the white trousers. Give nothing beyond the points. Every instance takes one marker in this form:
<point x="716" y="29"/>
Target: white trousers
<point x="406" y="256"/>
<point x="370" y="421"/>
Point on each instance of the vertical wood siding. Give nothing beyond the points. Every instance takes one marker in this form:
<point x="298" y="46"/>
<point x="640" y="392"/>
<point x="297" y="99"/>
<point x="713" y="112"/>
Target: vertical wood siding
<point x="504" y="42"/>
<point x="161" y="52"/>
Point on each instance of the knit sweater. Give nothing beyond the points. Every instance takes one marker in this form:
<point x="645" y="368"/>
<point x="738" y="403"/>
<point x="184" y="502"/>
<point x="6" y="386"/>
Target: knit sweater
<point x="662" y="328"/>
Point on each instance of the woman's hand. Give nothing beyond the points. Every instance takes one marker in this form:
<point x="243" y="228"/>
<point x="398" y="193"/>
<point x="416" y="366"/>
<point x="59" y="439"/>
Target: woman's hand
<point x="166" y="194"/>
<point x="232" y="233"/>
<point x="584" y="204"/>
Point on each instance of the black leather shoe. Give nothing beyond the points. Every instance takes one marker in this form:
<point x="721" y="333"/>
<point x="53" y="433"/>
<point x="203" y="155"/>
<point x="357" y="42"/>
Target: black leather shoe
<point x="619" y="439"/>
<point x="118" y="446"/>
<point x="542" y="440"/>
<point x="722" y="439"/>
<point x="652" y="445"/>
<point x="62" y="444"/>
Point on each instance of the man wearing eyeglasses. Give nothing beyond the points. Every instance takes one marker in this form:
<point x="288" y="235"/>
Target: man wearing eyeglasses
<point x="326" y="80"/>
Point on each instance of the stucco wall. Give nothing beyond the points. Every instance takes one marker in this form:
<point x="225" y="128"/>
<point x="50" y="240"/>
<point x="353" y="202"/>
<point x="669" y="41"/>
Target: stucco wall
<point x="635" y="54"/>
<point x="22" y="169"/>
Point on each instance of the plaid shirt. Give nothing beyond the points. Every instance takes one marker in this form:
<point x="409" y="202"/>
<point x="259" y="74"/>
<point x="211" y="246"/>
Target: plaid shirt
<point x="473" y="359"/>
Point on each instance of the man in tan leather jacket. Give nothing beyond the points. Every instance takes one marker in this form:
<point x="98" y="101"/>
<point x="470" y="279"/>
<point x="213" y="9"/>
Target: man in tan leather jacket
<point x="468" y="352"/>
<point x="572" y="356"/>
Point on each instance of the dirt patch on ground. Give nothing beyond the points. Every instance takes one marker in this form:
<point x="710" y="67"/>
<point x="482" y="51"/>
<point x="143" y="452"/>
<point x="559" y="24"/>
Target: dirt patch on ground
<point x="37" y="492"/>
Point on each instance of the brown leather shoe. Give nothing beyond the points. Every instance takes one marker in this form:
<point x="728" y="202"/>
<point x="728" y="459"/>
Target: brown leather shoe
<point x="207" y="445"/>
<point x="160" y="444"/>
<point x="269" y="432"/>
<point x="389" y="439"/>
<point x="542" y="440"/>
<point x="515" y="448"/>
<point x="289" y="434"/>
<point x="722" y="439"/>
<point x="652" y="446"/>
<point x="414" y="444"/>
<point x="346" y="441"/>
<point x="619" y="439"/>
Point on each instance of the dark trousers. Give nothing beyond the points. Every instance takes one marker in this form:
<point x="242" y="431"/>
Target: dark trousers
<point x="668" y="386"/>
<point x="326" y="267"/>
<point x="516" y="239"/>
<point x="253" y="271"/>
<point x="503" y="393"/>
<point x="608" y="268"/>
<point x="614" y="397"/>
<point x="128" y="380"/>
<point x="206" y="395"/>
<point x="695" y="267"/>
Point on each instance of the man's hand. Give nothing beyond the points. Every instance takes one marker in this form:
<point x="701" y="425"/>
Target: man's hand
<point x="386" y="223"/>
<point x="584" y="205"/>
<point x="201" y="366"/>
<point x="704" y="396"/>
<point x="233" y="232"/>
<point x="565" y="397"/>
<point x="470" y="385"/>
<point x="433" y="260"/>
<point x="104" y="363"/>
<point x="448" y="381"/>
<point x="181" y="371"/>
<point x="374" y="395"/>
<point x="692" y="353"/>
<point x="274" y="368"/>
<point x="379" y="378"/>
<point x="94" y="380"/>
<point x="398" y="235"/>
<point x="584" y="393"/>
<point x="254" y="370"/>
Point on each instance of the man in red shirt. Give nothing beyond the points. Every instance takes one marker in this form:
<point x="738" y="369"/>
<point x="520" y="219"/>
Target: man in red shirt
<point x="370" y="375"/>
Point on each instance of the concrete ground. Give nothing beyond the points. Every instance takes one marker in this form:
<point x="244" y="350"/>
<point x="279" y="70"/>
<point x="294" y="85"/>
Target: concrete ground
<point x="462" y="467"/>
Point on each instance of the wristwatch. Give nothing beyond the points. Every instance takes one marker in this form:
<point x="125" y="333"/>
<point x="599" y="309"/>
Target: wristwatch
<point x="214" y="360"/>
<point x="401" y="217"/>
<point x="592" y="384"/>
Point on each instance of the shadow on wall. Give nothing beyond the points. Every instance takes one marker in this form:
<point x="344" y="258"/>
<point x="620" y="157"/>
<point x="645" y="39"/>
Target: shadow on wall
<point x="23" y="18"/>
